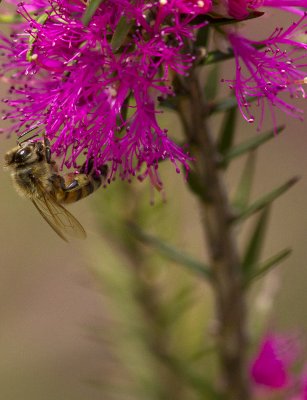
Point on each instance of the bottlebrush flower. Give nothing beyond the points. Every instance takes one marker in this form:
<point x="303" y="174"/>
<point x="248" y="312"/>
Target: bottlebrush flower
<point x="265" y="69"/>
<point x="271" y="366"/>
<point x="189" y="6"/>
<point x="240" y="9"/>
<point x="92" y="95"/>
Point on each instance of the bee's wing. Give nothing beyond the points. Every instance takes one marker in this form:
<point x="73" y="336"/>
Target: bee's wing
<point x="60" y="220"/>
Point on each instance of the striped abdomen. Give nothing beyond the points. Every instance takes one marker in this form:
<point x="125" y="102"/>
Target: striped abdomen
<point x="81" y="186"/>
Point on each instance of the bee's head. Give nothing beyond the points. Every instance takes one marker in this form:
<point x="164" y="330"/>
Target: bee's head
<point x="26" y="153"/>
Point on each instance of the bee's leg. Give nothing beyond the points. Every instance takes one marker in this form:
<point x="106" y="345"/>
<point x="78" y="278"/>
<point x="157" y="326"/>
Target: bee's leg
<point x="47" y="150"/>
<point x="73" y="182"/>
<point x="88" y="169"/>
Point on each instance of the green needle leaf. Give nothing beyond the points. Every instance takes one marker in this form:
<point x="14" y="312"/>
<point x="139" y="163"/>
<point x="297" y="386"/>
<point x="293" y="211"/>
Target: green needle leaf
<point x="197" y="381"/>
<point x="217" y="56"/>
<point x="227" y="133"/>
<point x="251" y="144"/>
<point x="121" y="32"/>
<point x="90" y="11"/>
<point x="268" y="265"/>
<point x="41" y="20"/>
<point x="217" y="20"/>
<point x="266" y="200"/>
<point x="255" y="244"/>
<point x="202" y="38"/>
<point x="242" y="195"/>
<point x="178" y="305"/>
<point x="212" y="85"/>
<point x="227" y="104"/>
<point x="170" y="252"/>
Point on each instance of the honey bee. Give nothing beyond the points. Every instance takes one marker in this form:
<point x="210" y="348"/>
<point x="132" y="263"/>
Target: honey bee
<point x="35" y="176"/>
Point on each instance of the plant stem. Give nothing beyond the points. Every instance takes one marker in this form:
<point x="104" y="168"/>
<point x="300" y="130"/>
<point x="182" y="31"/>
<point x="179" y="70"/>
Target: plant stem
<point x="222" y="247"/>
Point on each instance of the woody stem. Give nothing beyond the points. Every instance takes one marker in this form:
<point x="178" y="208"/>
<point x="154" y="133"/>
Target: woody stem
<point x="219" y="238"/>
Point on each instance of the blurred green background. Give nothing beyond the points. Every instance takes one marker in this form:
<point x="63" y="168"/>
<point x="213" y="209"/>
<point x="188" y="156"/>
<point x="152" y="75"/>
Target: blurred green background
<point x="80" y="320"/>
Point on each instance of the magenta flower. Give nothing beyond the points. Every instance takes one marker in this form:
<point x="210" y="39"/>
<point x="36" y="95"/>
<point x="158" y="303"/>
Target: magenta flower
<point x="271" y="366"/>
<point x="94" y="90"/>
<point x="189" y="6"/>
<point x="265" y="69"/>
<point x="240" y="9"/>
<point x="95" y="97"/>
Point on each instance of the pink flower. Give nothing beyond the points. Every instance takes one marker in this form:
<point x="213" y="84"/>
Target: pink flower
<point x="272" y="363"/>
<point x="240" y="9"/>
<point x="91" y="98"/>
<point x="265" y="69"/>
<point x="189" y="6"/>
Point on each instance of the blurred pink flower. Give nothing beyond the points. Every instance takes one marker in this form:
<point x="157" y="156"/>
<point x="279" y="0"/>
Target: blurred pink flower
<point x="240" y="9"/>
<point x="70" y="80"/>
<point x="193" y="6"/>
<point x="266" y="68"/>
<point x="271" y="365"/>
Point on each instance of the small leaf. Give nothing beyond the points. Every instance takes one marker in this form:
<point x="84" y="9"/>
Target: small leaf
<point x="255" y="243"/>
<point x="169" y="103"/>
<point x="120" y="34"/>
<point x="41" y="20"/>
<point x="212" y="85"/>
<point x="203" y="386"/>
<point x="241" y="198"/>
<point x="202" y="353"/>
<point x="183" y="300"/>
<point x="90" y="11"/>
<point x="195" y="380"/>
<point x="170" y="252"/>
<point x="268" y="265"/>
<point x="227" y="133"/>
<point x="227" y="104"/>
<point x="266" y="200"/>
<point x="202" y="38"/>
<point x="217" y="56"/>
<point x="217" y="20"/>
<point x="251" y="144"/>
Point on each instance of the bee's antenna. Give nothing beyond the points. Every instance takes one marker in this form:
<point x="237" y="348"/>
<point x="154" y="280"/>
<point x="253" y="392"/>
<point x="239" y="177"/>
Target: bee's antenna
<point x="19" y="142"/>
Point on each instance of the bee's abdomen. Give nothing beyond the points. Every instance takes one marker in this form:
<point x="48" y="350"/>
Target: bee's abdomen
<point x="83" y="185"/>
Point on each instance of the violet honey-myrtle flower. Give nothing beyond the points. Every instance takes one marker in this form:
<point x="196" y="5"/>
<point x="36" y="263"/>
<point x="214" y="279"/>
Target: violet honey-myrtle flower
<point x="91" y="97"/>
<point x="271" y="366"/>
<point x="190" y="6"/>
<point x="94" y="88"/>
<point x="240" y="9"/>
<point x="266" y="68"/>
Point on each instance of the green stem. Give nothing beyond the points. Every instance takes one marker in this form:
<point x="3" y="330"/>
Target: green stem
<point x="220" y="241"/>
